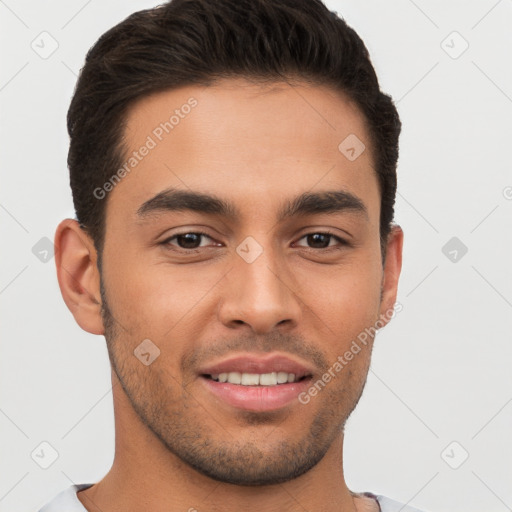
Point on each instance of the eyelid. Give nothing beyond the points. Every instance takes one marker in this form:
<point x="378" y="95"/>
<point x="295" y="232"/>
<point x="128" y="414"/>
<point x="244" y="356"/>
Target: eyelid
<point x="186" y="232"/>
<point x="341" y="241"/>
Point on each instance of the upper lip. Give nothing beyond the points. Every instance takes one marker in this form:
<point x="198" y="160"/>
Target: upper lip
<point x="253" y="364"/>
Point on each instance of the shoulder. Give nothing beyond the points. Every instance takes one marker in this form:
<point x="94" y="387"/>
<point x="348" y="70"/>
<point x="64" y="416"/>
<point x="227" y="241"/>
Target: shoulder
<point x="66" y="500"/>
<point x="388" y="505"/>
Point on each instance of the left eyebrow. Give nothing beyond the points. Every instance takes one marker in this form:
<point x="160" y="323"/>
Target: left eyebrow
<point x="311" y="203"/>
<point x="308" y="203"/>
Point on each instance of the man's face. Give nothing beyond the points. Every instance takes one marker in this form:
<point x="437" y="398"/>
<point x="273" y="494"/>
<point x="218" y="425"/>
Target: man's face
<point x="262" y="291"/>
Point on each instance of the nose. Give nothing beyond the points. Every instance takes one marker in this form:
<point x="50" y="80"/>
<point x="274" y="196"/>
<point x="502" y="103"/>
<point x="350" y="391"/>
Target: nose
<point x="259" y="294"/>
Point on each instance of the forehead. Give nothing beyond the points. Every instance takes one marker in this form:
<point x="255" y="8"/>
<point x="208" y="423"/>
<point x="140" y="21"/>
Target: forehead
<point x="242" y="139"/>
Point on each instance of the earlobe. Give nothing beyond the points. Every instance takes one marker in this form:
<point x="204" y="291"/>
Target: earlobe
<point x="78" y="276"/>
<point x="392" y="268"/>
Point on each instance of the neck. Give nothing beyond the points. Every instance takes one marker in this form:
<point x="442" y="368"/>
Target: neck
<point x="146" y="476"/>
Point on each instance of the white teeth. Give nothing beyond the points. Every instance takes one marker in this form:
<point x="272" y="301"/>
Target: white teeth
<point x="250" y="379"/>
<point x="234" y="378"/>
<point x="282" y="377"/>
<point x="268" y="379"/>
<point x="255" y="379"/>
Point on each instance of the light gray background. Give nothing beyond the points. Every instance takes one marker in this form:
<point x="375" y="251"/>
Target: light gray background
<point x="441" y="370"/>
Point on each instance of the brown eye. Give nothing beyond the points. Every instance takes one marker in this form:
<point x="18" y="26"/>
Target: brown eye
<point x="189" y="240"/>
<point x="321" y="240"/>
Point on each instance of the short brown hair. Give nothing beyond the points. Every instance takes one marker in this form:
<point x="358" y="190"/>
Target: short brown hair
<point x="187" y="42"/>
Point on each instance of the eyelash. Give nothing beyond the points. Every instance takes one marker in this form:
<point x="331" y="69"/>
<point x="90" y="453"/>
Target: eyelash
<point x="167" y="241"/>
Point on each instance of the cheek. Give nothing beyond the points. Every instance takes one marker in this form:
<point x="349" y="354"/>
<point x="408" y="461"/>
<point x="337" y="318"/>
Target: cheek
<point x="346" y="297"/>
<point x="348" y="305"/>
<point x="157" y="300"/>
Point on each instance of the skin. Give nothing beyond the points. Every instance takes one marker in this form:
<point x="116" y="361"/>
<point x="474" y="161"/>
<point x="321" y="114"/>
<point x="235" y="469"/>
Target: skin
<point x="256" y="147"/>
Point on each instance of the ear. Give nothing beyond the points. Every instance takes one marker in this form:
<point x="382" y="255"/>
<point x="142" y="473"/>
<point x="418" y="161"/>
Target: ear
<point x="392" y="268"/>
<point x="78" y="275"/>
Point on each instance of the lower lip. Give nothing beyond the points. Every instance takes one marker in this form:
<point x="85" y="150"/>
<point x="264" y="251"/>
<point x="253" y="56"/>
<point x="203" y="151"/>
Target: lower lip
<point x="257" y="398"/>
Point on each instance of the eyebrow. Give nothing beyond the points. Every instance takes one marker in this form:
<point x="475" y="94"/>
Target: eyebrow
<point x="308" y="203"/>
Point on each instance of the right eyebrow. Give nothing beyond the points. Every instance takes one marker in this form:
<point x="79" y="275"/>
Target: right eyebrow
<point x="173" y="199"/>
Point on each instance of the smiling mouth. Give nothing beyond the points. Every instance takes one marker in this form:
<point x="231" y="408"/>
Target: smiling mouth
<point x="256" y="379"/>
